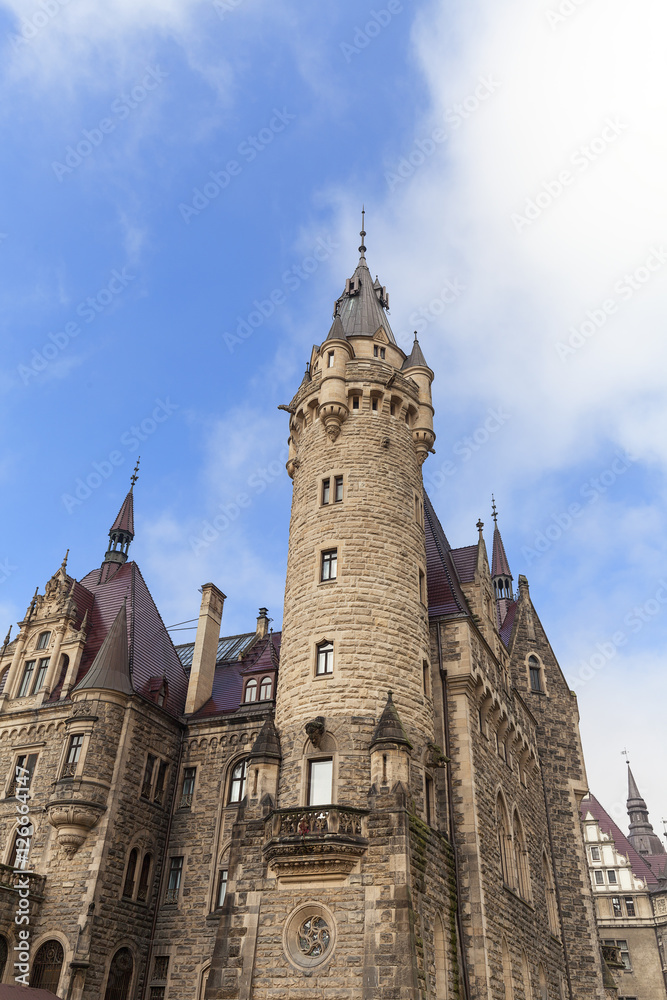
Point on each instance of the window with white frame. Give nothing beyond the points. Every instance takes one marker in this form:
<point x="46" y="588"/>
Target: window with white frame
<point x="324" y="658"/>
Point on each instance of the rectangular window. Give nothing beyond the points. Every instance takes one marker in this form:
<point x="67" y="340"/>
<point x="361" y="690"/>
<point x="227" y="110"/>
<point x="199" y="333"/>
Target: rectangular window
<point x="630" y="906"/>
<point x="159" y="784"/>
<point x="625" y="954"/>
<point x="535" y="679"/>
<point x="188" y="787"/>
<point x="27" y="677"/>
<point x="599" y="877"/>
<point x="148" y="777"/>
<point x="355" y="402"/>
<point x="23" y="772"/>
<point x="326" y="483"/>
<point x="383" y="353"/>
<point x="43" y="640"/>
<point x="222" y="887"/>
<point x="329" y="564"/>
<point x="376" y="351"/>
<point x="611" y="875"/>
<point x="422" y="587"/>
<point x="160" y="967"/>
<point x="374" y="403"/>
<point x="616" y="906"/>
<point x="157" y="993"/>
<point x="429" y="800"/>
<point x="426" y="676"/>
<point x="73" y="754"/>
<point x="338" y="489"/>
<point x="174" y="883"/>
<point x="595" y="853"/>
<point x="330" y="359"/>
<point x="41" y="673"/>
<point x="320" y="782"/>
<point x="325" y="658"/>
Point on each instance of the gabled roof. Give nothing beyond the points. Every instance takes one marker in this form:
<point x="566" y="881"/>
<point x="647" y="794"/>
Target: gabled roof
<point x="638" y="864"/>
<point x="445" y="596"/>
<point x="110" y="670"/>
<point x="361" y="313"/>
<point x="229" y="676"/>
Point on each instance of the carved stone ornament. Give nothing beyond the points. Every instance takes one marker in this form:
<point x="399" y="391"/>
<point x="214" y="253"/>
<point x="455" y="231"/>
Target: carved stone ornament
<point x="315" y="730"/>
<point x="73" y="820"/>
<point x="326" y="842"/>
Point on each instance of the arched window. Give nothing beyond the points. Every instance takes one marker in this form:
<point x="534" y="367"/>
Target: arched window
<point x="47" y="965"/>
<point x="550" y="893"/>
<point x="120" y="975"/>
<point x="204" y="980"/>
<point x="507" y="972"/>
<point x="535" y="671"/>
<point x="3" y="679"/>
<point x="440" y="949"/>
<point x="542" y="978"/>
<point x="144" y="878"/>
<point x="525" y="971"/>
<point x="521" y="863"/>
<point x="265" y="689"/>
<point x="504" y="841"/>
<point x="3" y="955"/>
<point x="128" y="886"/>
<point x="238" y="782"/>
<point x="250" y="691"/>
<point x="43" y="640"/>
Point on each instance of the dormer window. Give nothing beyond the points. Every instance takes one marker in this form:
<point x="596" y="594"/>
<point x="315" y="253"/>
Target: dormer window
<point x="250" y="691"/>
<point x="266" y="689"/>
<point x="352" y="286"/>
<point x="43" y="640"/>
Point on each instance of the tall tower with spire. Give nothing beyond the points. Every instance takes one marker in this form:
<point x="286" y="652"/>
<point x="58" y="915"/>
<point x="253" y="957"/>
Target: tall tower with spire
<point x="641" y="834"/>
<point x="121" y="532"/>
<point x="501" y="574"/>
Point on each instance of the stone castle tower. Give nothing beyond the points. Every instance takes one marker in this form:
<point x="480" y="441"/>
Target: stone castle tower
<point x="379" y="803"/>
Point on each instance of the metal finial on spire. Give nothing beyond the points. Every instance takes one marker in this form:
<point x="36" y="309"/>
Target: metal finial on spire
<point x="63" y="565"/>
<point x="626" y="754"/>
<point x="134" y="476"/>
<point x="362" y="248"/>
<point x="494" y="510"/>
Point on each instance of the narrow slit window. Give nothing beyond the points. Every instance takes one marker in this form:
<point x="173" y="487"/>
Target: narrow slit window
<point x="326" y="489"/>
<point x="73" y="754"/>
<point x="158" y="795"/>
<point x="174" y="883"/>
<point x="148" y="776"/>
<point x="188" y="787"/>
<point x="330" y="359"/>
<point x="355" y="402"/>
<point x="27" y="677"/>
<point x="222" y="887"/>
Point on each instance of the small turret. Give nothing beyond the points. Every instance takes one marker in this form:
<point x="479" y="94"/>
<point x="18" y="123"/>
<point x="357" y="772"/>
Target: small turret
<point x="501" y="575"/>
<point x="641" y="834"/>
<point x="422" y="428"/>
<point x="121" y="532"/>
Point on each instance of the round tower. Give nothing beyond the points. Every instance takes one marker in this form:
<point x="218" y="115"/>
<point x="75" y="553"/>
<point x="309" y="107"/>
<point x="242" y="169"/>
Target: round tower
<point x="356" y="617"/>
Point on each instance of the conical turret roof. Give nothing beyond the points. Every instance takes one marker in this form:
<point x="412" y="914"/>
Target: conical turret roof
<point x="110" y="670"/>
<point x="499" y="564"/>
<point x="361" y="307"/>
<point x="125" y="517"/>
<point x="640" y="833"/>
<point x="416" y="357"/>
<point x="267" y="743"/>
<point x="390" y="728"/>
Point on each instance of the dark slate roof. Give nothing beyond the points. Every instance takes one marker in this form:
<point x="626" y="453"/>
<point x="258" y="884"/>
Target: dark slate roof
<point x="508" y="622"/>
<point x="151" y="650"/>
<point x="638" y="864"/>
<point x="465" y="560"/>
<point x="228" y="677"/>
<point x="267" y="743"/>
<point x="416" y="357"/>
<point x="445" y="596"/>
<point x="390" y="728"/>
<point x="125" y="517"/>
<point x="110" y="670"/>
<point x="361" y="314"/>
<point x="500" y="565"/>
<point x="336" y="332"/>
<point x="230" y="647"/>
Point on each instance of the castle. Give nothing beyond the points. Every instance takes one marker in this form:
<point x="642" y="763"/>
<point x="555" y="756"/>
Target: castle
<point x="382" y="801"/>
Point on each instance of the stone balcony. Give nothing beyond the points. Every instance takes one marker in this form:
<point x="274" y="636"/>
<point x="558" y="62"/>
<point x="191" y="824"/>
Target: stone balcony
<point x="74" y="808"/>
<point x="322" y="841"/>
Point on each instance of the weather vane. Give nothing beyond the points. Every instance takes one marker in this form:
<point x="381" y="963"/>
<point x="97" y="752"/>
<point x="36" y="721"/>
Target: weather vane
<point x="494" y="509"/>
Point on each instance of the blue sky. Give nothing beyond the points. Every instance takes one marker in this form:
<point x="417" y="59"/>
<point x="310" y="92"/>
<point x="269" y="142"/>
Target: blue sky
<point x="181" y="191"/>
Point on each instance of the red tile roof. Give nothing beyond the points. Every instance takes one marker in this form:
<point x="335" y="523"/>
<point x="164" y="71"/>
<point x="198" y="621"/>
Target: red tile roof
<point x="125" y="517"/>
<point x="151" y="650"/>
<point x="638" y="864"/>
<point x="445" y="596"/>
<point x="508" y="622"/>
<point x="465" y="560"/>
<point x="500" y="565"/>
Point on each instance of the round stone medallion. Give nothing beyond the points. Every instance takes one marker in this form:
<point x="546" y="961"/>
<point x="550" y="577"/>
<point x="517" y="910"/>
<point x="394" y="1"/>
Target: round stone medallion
<point x="309" y="937"/>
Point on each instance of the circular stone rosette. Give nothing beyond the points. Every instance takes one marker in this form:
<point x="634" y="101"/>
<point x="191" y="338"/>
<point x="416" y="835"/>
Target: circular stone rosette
<point x="309" y="938"/>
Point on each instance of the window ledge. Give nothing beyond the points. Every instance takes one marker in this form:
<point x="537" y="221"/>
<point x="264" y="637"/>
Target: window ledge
<point x="513" y="892"/>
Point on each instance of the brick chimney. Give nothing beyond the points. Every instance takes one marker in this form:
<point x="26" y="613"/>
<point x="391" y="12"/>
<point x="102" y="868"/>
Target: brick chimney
<point x="205" y="652"/>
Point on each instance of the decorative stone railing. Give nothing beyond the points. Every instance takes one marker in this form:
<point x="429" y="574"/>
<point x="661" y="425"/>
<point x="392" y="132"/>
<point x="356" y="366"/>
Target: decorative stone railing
<point x="316" y="840"/>
<point x="9" y="878"/>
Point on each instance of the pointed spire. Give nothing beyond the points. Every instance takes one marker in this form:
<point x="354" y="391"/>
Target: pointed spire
<point x="362" y="248"/>
<point x="110" y="670"/>
<point x="63" y="565"/>
<point x="416" y="358"/>
<point x="121" y="532"/>
<point x="640" y="834"/>
<point x="390" y="728"/>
